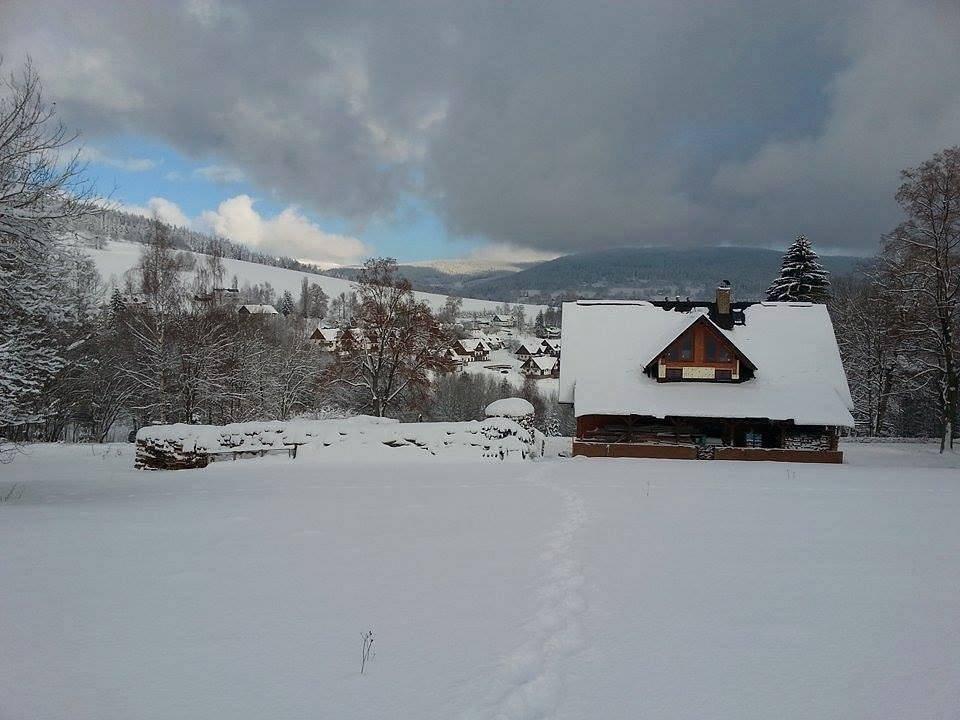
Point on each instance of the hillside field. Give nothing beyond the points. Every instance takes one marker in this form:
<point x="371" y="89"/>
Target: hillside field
<point x="119" y="257"/>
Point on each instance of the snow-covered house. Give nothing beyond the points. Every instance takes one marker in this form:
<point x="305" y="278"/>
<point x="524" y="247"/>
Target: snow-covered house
<point x="492" y="340"/>
<point x="355" y="339"/>
<point x="326" y="338"/>
<point x="472" y="348"/>
<point x="717" y="379"/>
<point x="502" y="320"/>
<point x="528" y="350"/>
<point x="541" y="366"/>
<point x="455" y="359"/>
<point x="550" y="347"/>
<point x="257" y="310"/>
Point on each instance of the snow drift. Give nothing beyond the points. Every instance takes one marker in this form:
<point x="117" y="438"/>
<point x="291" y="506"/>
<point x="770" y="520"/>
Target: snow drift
<point x="181" y="446"/>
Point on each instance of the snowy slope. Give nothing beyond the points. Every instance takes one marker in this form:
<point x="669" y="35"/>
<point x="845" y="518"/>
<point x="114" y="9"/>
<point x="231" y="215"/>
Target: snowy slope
<point x="118" y="257"/>
<point x="612" y="589"/>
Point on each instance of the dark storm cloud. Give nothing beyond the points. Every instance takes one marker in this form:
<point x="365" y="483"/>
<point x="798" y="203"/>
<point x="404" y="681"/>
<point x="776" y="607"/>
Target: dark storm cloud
<point x="555" y="125"/>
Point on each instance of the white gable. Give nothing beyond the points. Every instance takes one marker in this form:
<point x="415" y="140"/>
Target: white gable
<point x="799" y="375"/>
<point x="544" y="362"/>
<point x="260" y="309"/>
<point x="328" y="334"/>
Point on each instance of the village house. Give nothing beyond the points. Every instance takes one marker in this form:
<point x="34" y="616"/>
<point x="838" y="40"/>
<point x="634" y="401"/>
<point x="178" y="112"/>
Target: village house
<point x="454" y="359"/>
<point x="257" y="310"/>
<point x="550" y="347"/>
<point x="528" y="350"/>
<point x="472" y="348"/>
<point x="326" y="338"/>
<point x="492" y="340"/>
<point x="355" y="339"/>
<point x="541" y="366"/>
<point x="711" y="380"/>
<point x="502" y="321"/>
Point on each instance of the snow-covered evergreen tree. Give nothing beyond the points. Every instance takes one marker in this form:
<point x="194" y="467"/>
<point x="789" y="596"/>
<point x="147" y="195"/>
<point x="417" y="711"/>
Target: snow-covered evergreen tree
<point x="802" y="278"/>
<point x="287" y="305"/>
<point x="40" y="196"/>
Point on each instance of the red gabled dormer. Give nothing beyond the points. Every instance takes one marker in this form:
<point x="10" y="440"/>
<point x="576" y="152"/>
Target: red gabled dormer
<point x="701" y="353"/>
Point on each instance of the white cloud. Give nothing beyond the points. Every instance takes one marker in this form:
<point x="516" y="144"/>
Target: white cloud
<point x="220" y="174"/>
<point x="165" y="210"/>
<point x="510" y="253"/>
<point x="290" y="233"/>
<point x="131" y="164"/>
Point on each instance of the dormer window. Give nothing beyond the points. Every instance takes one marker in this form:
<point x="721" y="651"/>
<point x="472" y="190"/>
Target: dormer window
<point x="701" y="353"/>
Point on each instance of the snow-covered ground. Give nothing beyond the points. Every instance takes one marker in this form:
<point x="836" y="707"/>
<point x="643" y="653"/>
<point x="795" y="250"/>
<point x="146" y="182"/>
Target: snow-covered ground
<point x="574" y="588"/>
<point x="118" y="257"/>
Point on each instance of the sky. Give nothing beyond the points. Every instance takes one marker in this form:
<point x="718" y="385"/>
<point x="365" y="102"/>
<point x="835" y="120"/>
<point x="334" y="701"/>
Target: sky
<point x="334" y="130"/>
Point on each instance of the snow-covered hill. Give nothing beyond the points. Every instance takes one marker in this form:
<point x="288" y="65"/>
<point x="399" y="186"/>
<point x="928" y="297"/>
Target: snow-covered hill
<point x="119" y="257"/>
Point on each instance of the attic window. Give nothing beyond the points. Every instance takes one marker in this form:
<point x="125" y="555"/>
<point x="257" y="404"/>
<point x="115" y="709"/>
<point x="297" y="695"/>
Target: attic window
<point x="715" y="351"/>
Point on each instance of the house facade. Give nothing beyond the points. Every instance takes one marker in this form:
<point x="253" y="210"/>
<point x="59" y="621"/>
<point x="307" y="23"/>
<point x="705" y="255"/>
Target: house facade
<point x="541" y="366"/>
<point x="472" y="349"/>
<point x="527" y="351"/>
<point x="709" y="380"/>
<point x="326" y="338"/>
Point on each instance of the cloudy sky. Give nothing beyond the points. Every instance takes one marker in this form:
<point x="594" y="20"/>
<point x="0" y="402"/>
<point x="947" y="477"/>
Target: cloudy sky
<point x="331" y="130"/>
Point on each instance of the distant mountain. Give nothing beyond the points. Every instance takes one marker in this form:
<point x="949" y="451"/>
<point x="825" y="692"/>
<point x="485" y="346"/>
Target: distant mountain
<point x="449" y="277"/>
<point x="467" y="267"/>
<point x="647" y="273"/>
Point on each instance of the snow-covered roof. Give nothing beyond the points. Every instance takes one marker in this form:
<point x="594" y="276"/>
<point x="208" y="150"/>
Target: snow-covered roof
<point x="544" y="362"/>
<point x="509" y="407"/>
<point x="327" y="333"/>
<point x="471" y="345"/>
<point x="526" y="349"/>
<point x="259" y="309"/>
<point x="799" y="375"/>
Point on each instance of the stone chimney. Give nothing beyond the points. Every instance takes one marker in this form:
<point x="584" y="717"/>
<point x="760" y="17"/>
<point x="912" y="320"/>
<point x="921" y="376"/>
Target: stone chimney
<point x="724" y="299"/>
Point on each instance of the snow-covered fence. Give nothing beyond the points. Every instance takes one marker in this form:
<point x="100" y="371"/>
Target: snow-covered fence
<point x="881" y="439"/>
<point x="181" y="446"/>
<point x="177" y="447"/>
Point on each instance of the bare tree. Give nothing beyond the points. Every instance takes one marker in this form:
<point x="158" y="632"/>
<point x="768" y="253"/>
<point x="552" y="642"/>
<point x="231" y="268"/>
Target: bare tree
<point x="870" y="335"/>
<point x="398" y="342"/>
<point x="921" y="263"/>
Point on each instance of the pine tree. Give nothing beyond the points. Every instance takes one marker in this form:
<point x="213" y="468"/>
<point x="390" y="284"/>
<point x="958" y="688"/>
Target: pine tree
<point x="286" y="303"/>
<point x="802" y="278"/>
<point x="539" y="326"/>
<point x="117" y="306"/>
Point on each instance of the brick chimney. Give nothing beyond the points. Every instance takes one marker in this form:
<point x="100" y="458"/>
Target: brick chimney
<point x="724" y="299"/>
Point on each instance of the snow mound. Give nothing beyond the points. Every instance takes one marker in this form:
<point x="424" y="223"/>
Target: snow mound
<point x="181" y="446"/>
<point x="509" y="408"/>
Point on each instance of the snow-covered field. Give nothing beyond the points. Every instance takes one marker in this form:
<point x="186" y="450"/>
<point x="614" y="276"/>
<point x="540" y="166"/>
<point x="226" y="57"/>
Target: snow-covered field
<point x="118" y="257"/>
<point x="555" y="589"/>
